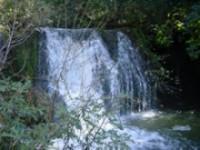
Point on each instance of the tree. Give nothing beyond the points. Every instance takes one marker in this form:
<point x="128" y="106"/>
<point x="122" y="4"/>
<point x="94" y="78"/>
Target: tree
<point x="18" y="19"/>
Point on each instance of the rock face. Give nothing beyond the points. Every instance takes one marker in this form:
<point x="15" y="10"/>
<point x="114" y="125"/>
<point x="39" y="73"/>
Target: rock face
<point x="1" y="52"/>
<point x="85" y="64"/>
<point x="1" y="40"/>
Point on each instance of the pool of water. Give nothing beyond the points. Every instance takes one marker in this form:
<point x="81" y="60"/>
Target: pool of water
<point x="179" y="129"/>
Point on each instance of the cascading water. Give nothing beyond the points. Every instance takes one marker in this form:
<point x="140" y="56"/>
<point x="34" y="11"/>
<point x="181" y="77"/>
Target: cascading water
<point x="86" y="64"/>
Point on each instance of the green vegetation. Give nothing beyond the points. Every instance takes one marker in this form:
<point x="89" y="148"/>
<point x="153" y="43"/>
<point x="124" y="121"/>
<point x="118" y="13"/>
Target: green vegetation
<point x="26" y="121"/>
<point x="22" y="116"/>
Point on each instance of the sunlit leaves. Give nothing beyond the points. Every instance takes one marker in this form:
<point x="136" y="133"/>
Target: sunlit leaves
<point x="25" y="14"/>
<point x="163" y="35"/>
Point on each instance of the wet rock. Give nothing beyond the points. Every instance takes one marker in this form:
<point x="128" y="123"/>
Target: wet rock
<point x="1" y="40"/>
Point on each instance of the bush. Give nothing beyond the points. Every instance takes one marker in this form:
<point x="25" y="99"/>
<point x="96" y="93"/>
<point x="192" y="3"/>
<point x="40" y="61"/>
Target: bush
<point x="27" y="121"/>
<point x="22" y="116"/>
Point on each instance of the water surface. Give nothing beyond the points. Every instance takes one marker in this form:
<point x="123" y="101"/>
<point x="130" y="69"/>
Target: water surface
<point x="180" y="129"/>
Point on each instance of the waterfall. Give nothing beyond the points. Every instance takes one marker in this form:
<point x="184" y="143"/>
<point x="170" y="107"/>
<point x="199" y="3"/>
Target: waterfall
<point x="83" y="65"/>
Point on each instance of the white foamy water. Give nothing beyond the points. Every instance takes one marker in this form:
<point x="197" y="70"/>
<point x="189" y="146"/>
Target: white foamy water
<point x="145" y="115"/>
<point x="81" y="63"/>
<point x="181" y="128"/>
<point x="138" y="140"/>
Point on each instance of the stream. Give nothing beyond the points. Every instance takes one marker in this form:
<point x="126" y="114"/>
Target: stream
<point x="180" y="130"/>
